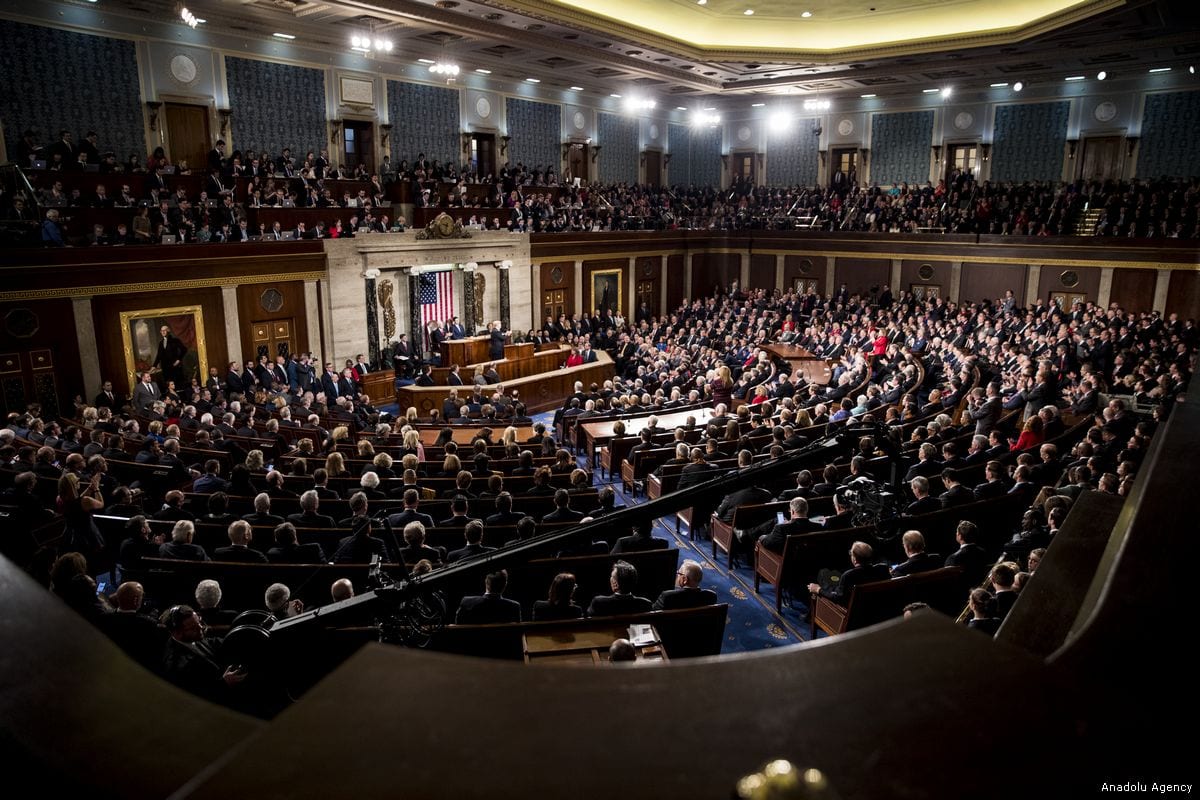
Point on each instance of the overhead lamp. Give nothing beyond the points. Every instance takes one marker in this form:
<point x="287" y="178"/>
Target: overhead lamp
<point x="806" y="14"/>
<point x="576" y="88"/>
<point x="749" y="12"/>
<point x="283" y="36"/>
<point x="757" y="105"/>
<point x="1018" y="86"/>
<point x="816" y="105"/>
<point x="999" y="85"/>
<point x="946" y="92"/>
<point x="780" y="121"/>
<point x="1160" y="69"/>
<point x="426" y="61"/>
<point x="614" y="94"/>
<point x="866" y="96"/>
<point x="702" y="119"/>
<point x="484" y="71"/>
<point x="701" y="2"/>
<point x="447" y="69"/>
<point x="189" y="19"/>
<point x="1101" y="75"/>
<point x="1192" y="70"/>
<point x="533" y="80"/>
<point x="930" y="91"/>
<point x="639" y="104"/>
<point x="1073" y="78"/>
<point x="366" y="44"/>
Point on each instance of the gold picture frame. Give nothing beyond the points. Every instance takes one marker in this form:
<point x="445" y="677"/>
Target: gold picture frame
<point x="603" y="279"/>
<point x="139" y="334"/>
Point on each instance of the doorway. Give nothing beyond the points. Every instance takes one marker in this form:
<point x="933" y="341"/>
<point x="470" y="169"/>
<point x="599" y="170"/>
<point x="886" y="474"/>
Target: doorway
<point x="962" y="159"/>
<point x="187" y="135"/>
<point x="844" y="167"/>
<point x="653" y="161"/>
<point x="358" y="145"/>
<point x="1101" y="158"/>
<point x="743" y="168"/>
<point x="554" y="303"/>
<point x="483" y="154"/>
<point x="577" y="162"/>
<point x="273" y="337"/>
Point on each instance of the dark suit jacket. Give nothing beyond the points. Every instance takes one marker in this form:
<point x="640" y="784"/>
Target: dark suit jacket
<point x="684" y="598"/>
<point x="487" y="609"/>
<point x="467" y="552"/>
<point x="923" y="506"/>
<point x="612" y="605"/>
<point x="959" y="495"/>
<point x="985" y="491"/>
<point x="774" y="540"/>
<point x="868" y="573"/>
<point x="974" y="561"/>
<point x="563" y="515"/>
<point x="311" y="521"/>
<point x="751" y="495"/>
<point x="638" y="544"/>
<point x="544" y="610"/>
<point x="242" y="554"/>
<point x="310" y="553"/>
<point x="398" y="521"/>
<point x="921" y="562"/>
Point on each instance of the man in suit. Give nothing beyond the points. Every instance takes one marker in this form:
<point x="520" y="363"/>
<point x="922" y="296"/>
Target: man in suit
<point x="412" y="499"/>
<point x="239" y="547"/>
<point x="329" y="383"/>
<point x="308" y="516"/>
<point x="453" y="378"/>
<point x="687" y="592"/>
<point x="145" y="394"/>
<point x="496" y="344"/>
<point x="504" y="514"/>
<point x="562" y="509"/>
<point x="995" y="484"/>
<point x="171" y="352"/>
<point x="798" y="522"/>
<point x="360" y="546"/>
<point x="923" y="504"/>
<point x="473" y="533"/>
<point x="918" y="560"/>
<point x="211" y="481"/>
<point x="862" y="570"/>
<point x="402" y="356"/>
<point x="984" y="408"/>
<point x="639" y="541"/>
<point x="491" y="607"/>
<point x="286" y="551"/>
<point x="927" y="464"/>
<point x="623" y="579"/>
<point x="956" y="494"/>
<point x="107" y="398"/>
<point x="696" y="472"/>
<point x="970" y="555"/>
<point x="262" y="512"/>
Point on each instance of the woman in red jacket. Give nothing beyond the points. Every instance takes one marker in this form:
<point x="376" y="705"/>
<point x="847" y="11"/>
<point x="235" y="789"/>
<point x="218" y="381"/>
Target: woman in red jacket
<point x="1031" y="435"/>
<point x="881" y="343"/>
<point x="574" y="360"/>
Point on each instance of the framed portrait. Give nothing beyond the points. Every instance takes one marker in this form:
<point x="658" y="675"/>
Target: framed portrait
<point x="606" y="291"/>
<point x="167" y="342"/>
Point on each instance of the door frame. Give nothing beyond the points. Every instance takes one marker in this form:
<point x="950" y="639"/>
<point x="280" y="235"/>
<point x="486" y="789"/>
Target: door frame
<point x="158" y="137"/>
<point x="357" y="120"/>
<point x="1122" y="157"/>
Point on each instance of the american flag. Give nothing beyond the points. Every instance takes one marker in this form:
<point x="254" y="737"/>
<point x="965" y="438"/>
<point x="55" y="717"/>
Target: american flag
<point x="437" y="297"/>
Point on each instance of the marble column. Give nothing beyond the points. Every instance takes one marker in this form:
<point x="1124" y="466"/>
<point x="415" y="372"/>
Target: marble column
<point x="233" y="332"/>
<point x="469" y="322"/>
<point x="577" y="299"/>
<point x="505" y="295"/>
<point x="744" y="272"/>
<point x="955" y="280"/>
<point x="894" y="277"/>
<point x="830" y="275"/>
<point x="1161" y="286"/>
<point x="631" y="279"/>
<point x="662" y="285"/>
<point x="416" y="331"/>
<point x="1032" y="281"/>
<point x="780" y="270"/>
<point x="372" y="317"/>
<point x="312" y="315"/>
<point x="89" y="357"/>
<point x="1105" y="292"/>
<point x="687" y="275"/>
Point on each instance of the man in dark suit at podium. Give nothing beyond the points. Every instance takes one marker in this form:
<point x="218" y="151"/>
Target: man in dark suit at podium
<point x="492" y="606"/>
<point x="457" y="331"/>
<point x="496" y="346"/>
<point x="402" y="356"/>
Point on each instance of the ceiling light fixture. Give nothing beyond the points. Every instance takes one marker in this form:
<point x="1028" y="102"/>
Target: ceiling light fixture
<point x="701" y="119"/>
<point x="366" y="44"/>
<point x="816" y="105"/>
<point x="1072" y="78"/>
<point x="614" y="94"/>
<point x="999" y="85"/>
<point x="482" y="71"/>
<point x="1018" y="86"/>
<point x="946" y="92"/>
<point x="930" y="91"/>
<point x="447" y="69"/>
<point x="701" y="2"/>
<point x="1160" y="69"/>
<point x="749" y="12"/>
<point x="681" y="108"/>
<point x="866" y="96"/>
<point x="533" y="80"/>
<point x="189" y="19"/>
<point x="757" y="105"/>
<point x="283" y="36"/>
<point x="576" y="88"/>
<point x="806" y="14"/>
<point x="780" y="121"/>
<point x="426" y="61"/>
<point x="639" y="104"/>
<point x="1101" y="75"/>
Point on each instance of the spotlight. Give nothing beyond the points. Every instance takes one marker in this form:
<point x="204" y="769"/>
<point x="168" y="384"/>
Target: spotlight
<point x="946" y="92"/>
<point x="1101" y="75"/>
<point x="780" y="121"/>
<point x="1018" y="86"/>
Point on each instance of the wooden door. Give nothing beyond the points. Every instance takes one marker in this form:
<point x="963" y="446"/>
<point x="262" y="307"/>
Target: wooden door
<point x="28" y="376"/>
<point x="845" y="161"/>
<point x="743" y="167"/>
<point x="273" y="337"/>
<point x="653" y="160"/>
<point x="358" y="145"/>
<point x="1101" y="158"/>
<point x="961" y="159"/>
<point x="577" y="161"/>
<point x="187" y="135"/>
<point x="483" y="154"/>
<point x="1067" y="300"/>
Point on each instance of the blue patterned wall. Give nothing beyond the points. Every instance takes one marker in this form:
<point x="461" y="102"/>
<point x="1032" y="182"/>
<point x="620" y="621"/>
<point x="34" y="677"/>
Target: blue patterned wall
<point x="1170" y="136"/>
<point x="679" y="144"/>
<point x="535" y="129"/>
<point x="619" y="149"/>
<point x="276" y="106"/>
<point x="1028" y="142"/>
<point x="705" y="157"/>
<point x="425" y="120"/>
<point x="792" y="156"/>
<point x="52" y="79"/>
<point x="900" y="147"/>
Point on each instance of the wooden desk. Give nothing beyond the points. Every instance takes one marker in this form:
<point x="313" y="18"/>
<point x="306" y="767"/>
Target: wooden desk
<point x="380" y="386"/>
<point x="598" y="434"/>
<point x="538" y="392"/>
<point x="472" y="350"/>
<point x="811" y="368"/>
<point x="584" y="646"/>
<point x="508" y="369"/>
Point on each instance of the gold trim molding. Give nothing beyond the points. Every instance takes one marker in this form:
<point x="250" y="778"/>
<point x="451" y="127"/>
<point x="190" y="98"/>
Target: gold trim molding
<point x="158" y="286"/>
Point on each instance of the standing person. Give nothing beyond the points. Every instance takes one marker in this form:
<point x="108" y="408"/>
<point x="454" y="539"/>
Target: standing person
<point x="496" y="346"/>
<point x="722" y="387"/>
<point x="78" y="507"/>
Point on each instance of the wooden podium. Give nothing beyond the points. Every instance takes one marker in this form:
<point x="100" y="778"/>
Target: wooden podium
<point x="472" y="350"/>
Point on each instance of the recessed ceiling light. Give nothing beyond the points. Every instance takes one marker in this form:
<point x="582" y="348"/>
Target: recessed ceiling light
<point x="1192" y="70"/>
<point x="1101" y="75"/>
<point x="1076" y="78"/>
<point x="1160" y="69"/>
<point x="426" y="61"/>
<point x="999" y="85"/>
<point x="711" y="108"/>
<point x="576" y="88"/>
<point x="749" y="12"/>
<point x="701" y="2"/>
<point x="930" y="91"/>
<point x="614" y="94"/>
<point x="283" y="36"/>
<point x="865" y="96"/>
<point x="482" y="71"/>
<point x="1018" y="86"/>
<point x="681" y="108"/>
<point x="532" y="80"/>
<point x="806" y="14"/>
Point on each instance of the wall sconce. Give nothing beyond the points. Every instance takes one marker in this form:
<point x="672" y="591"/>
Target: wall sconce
<point x="1072" y="145"/>
<point x="386" y="131"/>
<point x="504" y="140"/>
<point x="595" y="152"/>
<point x="152" y="108"/>
<point x="937" y="153"/>
<point x="335" y="129"/>
<point x="986" y="151"/>
<point x="225" y="114"/>
<point x="1130" y="144"/>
